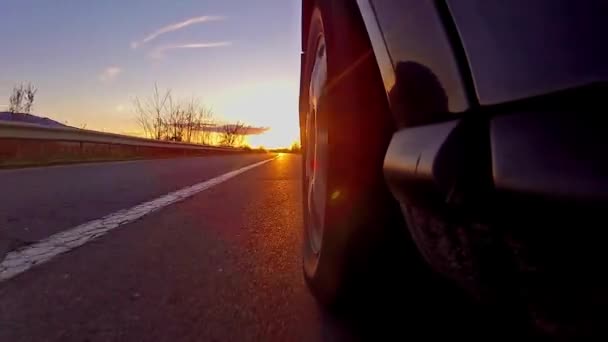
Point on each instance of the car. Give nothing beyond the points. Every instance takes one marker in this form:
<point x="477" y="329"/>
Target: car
<point x="474" y="126"/>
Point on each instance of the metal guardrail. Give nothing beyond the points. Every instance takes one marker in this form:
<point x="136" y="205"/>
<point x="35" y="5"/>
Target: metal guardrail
<point x="12" y="130"/>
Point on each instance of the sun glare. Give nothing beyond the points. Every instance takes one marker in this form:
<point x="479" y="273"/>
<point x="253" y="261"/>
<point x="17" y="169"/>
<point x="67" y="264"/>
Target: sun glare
<point x="265" y="104"/>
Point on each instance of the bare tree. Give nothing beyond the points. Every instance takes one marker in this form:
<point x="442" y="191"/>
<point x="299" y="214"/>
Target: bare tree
<point x="22" y="99"/>
<point x="175" y="121"/>
<point x="204" y="122"/>
<point x="151" y="113"/>
<point x="189" y="119"/>
<point x="233" y="134"/>
<point x="29" y="93"/>
<point x="163" y="118"/>
<point x="15" y="101"/>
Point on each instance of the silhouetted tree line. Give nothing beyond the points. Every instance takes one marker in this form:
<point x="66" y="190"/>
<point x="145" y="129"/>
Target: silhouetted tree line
<point x="163" y="118"/>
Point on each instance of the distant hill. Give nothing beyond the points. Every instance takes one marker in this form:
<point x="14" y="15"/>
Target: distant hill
<point x="29" y="118"/>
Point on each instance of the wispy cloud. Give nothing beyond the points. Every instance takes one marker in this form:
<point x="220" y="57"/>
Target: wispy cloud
<point x="160" y="51"/>
<point x="110" y="73"/>
<point x="175" y="27"/>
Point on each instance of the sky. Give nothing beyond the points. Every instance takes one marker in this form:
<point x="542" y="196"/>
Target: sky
<point x="90" y="59"/>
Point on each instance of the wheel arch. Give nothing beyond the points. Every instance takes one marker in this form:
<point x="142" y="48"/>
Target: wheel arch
<point x="364" y="9"/>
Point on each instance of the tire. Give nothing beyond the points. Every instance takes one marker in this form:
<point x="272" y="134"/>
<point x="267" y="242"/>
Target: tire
<point x="346" y="128"/>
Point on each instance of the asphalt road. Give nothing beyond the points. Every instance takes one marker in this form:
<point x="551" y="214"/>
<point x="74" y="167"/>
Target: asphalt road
<point x="221" y="265"/>
<point x="37" y="202"/>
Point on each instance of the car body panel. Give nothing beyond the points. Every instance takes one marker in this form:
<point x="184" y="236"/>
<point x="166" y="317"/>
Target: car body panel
<point x="550" y="155"/>
<point x="520" y="48"/>
<point x="415" y="57"/>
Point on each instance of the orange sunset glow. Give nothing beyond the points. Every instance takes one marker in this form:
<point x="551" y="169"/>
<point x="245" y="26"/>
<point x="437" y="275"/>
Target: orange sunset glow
<point x="225" y="56"/>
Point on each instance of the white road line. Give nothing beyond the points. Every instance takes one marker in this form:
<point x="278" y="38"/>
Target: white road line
<point x="21" y="260"/>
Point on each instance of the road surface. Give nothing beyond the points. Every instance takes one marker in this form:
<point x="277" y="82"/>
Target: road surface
<point x="221" y="263"/>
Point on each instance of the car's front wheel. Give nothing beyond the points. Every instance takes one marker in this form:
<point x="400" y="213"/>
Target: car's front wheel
<point x="346" y="128"/>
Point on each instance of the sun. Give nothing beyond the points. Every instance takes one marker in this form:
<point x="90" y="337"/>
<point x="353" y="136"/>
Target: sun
<point x="272" y="104"/>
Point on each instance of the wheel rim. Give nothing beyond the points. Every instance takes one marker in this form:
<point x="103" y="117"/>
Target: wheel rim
<point x="316" y="151"/>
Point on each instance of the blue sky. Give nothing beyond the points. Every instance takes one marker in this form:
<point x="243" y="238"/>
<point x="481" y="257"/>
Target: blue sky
<point x="89" y="59"/>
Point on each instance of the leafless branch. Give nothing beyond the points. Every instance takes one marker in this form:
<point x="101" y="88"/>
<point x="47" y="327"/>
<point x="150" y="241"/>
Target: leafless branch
<point x="15" y="101"/>
<point x="29" y="94"/>
<point x="163" y="118"/>
<point x="152" y="113"/>
<point x="233" y="134"/>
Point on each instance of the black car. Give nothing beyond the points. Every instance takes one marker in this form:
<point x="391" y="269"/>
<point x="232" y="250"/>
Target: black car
<point x="476" y="126"/>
